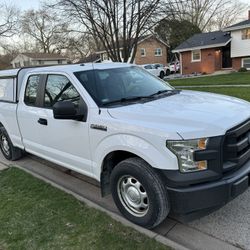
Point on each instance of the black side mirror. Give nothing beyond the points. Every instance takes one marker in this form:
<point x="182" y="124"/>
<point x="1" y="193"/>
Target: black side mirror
<point x="66" y="110"/>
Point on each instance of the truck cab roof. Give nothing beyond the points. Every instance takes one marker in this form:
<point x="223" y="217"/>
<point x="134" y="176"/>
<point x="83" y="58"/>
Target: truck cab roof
<point x="68" y="68"/>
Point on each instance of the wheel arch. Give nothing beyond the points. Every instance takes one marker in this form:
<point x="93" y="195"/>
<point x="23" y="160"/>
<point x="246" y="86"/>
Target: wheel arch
<point x="109" y="163"/>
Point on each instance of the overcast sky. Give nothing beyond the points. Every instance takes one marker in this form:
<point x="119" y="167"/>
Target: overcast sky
<point x="24" y="4"/>
<point x="29" y="4"/>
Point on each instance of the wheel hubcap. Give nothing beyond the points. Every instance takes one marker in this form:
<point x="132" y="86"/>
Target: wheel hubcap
<point x="133" y="196"/>
<point x="5" y="145"/>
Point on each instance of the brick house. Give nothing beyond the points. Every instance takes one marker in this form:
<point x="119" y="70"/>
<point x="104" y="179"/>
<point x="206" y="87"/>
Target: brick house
<point x="150" y="49"/>
<point x="214" y="51"/>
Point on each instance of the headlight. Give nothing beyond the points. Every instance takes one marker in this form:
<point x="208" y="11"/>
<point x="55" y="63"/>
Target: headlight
<point x="184" y="150"/>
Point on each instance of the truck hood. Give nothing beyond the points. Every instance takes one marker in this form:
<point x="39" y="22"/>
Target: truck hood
<point x="191" y="114"/>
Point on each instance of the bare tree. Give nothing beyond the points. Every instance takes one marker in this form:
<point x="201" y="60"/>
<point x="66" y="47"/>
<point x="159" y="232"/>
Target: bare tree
<point x="116" y="25"/>
<point x="205" y="14"/>
<point x="46" y="29"/>
<point x="78" y="46"/>
<point x="8" y="20"/>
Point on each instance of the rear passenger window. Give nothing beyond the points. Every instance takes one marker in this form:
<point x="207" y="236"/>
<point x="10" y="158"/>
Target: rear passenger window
<point x="30" y="96"/>
<point x="59" y="88"/>
<point x="7" y="87"/>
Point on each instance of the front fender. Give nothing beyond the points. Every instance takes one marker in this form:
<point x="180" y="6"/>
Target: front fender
<point x="157" y="156"/>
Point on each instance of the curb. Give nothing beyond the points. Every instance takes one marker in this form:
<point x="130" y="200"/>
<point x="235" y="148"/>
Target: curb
<point x="117" y="217"/>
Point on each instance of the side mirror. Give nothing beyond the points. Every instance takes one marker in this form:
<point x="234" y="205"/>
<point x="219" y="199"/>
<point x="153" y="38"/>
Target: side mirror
<point x="66" y="110"/>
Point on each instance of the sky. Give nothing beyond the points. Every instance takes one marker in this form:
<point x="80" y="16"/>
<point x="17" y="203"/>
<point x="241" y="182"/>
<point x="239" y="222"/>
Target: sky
<point x="24" y="4"/>
<point x="29" y="4"/>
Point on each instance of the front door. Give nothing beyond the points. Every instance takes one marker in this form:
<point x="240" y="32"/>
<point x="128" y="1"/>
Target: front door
<point x="226" y="57"/>
<point x="65" y="142"/>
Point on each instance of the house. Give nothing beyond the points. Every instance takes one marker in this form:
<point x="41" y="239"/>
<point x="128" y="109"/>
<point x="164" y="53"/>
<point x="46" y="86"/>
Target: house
<point x="150" y="49"/>
<point x="36" y="59"/>
<point x="214" y="51"/>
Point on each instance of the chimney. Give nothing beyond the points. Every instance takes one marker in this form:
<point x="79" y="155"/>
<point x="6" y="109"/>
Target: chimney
<point x="249" y="15"/>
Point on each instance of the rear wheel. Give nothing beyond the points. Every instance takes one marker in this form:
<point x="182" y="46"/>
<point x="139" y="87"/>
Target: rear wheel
<point x="139" y="193"/>
<point x="168" y="72"/>
<point x="161" y="74"/>
<point x="9" y="151"/>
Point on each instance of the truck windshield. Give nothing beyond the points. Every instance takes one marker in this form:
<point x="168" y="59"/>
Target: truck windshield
<point x="122" y="85"/>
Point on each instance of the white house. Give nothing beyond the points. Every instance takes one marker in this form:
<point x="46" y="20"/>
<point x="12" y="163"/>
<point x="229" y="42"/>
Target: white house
<point x="36" y="59"/>
<point x="240" y="43"/>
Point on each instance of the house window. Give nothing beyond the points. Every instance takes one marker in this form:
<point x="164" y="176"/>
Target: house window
<point x="143" y="52"/>
<point x="245" y="34"/>
<point x="158" y="52"/>
<point x="246" y="63"/>
<point x="105" y="57"/>
<point x="196" y="55"/>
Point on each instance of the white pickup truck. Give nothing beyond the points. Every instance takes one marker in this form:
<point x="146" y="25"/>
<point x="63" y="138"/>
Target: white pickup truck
<point x="156" y="149"/>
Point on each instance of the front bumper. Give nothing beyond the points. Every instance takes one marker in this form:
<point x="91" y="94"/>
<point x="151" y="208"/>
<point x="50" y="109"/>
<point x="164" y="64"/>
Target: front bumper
<point x="193" y="198"/>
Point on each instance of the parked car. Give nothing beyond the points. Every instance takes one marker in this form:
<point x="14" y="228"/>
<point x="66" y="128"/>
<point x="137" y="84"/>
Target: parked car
<point x="165" y="68"/>
<point x="174" y="67"/>
<point x="155" y="148"/>
<point x="154" y="70"/>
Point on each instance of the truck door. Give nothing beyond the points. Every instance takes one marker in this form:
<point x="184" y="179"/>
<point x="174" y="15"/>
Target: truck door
<point x="65" y="142"/>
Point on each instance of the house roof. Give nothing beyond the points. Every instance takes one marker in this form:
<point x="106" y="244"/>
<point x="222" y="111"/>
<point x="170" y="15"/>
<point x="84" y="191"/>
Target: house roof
<point x="43" y="56"/>
<point x="205" y="40"/>
<point x="237" y="26"/>
<point x="141" y="39"/>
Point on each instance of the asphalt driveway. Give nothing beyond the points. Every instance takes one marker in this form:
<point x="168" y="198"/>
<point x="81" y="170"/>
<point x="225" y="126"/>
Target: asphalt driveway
<point x="227" y="228"/>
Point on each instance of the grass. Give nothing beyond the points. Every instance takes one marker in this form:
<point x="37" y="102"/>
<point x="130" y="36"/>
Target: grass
<point x="240" y="92"/>
<point x="35" y="215"/>
<point x="228" y="79"/>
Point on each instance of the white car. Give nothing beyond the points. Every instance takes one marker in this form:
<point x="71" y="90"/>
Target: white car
<point x="154" y="70"/>
<point x="155" y="148"/>
<point x="174" y="67"/>
<point x="165" y="68"/>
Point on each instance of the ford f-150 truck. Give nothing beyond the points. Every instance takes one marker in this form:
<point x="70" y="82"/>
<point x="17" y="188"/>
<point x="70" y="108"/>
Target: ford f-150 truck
<point x="155" y="148"/>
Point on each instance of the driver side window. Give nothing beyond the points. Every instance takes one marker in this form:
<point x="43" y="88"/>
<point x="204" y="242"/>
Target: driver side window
<point x="59" y="88"/>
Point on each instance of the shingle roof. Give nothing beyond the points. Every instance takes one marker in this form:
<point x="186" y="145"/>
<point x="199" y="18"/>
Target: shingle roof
<point x="203" y="40"/>
<point x="141" y="39"/>
<point x="239" y="25"/>
<point x="43" y="56"/>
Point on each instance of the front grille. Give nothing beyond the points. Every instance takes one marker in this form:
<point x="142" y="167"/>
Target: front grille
<point x="236" y="147"/>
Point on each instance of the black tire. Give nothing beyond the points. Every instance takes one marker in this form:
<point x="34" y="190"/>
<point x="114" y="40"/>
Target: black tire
<point x="168" y="72"/>
<point x="8" y="150"/>
<point x="149" y="183"/>
<point x="162" y="74"/>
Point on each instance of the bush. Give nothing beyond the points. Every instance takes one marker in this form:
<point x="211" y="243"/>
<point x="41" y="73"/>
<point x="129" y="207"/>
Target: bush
<point x="242" y="69"/>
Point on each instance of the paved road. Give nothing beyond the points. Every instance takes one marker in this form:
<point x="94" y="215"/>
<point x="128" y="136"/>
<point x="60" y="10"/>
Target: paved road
<point x="227" y="228"/>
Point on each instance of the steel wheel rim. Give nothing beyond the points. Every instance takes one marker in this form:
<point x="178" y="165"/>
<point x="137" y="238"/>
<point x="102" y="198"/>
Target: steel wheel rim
<point x="5" y="145"/>
<point x="133" y="196"/>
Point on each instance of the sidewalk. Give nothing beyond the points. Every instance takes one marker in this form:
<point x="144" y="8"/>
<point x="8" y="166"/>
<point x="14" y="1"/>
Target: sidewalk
<point x="168" y="232"/>
<point x="215" y="86"/>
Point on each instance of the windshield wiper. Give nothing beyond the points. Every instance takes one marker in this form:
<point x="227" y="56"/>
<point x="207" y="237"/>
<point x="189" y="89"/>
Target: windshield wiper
<point x="139" y="98"/>
<point x="126" y="99"/>
<point x="161" y="92"/>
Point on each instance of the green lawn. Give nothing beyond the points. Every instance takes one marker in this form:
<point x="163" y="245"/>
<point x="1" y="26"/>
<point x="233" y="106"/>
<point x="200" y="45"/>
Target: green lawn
<point x="34" y="215"/>
<point x="232" y="78"/>
<point x="240" y="92"/>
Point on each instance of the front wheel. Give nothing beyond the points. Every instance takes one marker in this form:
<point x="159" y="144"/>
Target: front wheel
<point x="139" y="193"/>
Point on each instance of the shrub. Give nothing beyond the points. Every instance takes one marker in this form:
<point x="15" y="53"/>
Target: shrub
<point x="242" y="69"/>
